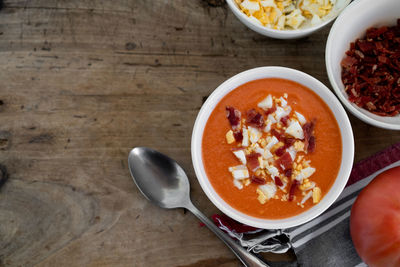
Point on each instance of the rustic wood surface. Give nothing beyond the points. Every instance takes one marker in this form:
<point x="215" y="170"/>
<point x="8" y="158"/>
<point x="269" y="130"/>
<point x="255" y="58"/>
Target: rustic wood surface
<point x="84" y="81"/>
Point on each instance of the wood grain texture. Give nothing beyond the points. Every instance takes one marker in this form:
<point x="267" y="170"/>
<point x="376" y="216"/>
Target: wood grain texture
<point x="84" y="81"/>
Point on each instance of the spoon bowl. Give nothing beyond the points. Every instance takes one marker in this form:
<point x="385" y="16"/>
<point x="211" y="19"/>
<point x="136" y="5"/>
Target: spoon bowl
<point x="165" y="183"/>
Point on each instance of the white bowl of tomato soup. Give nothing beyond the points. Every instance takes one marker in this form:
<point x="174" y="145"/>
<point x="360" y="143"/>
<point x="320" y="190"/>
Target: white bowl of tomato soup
<point x="351" y="25"/>
<point x="270" y="174"/>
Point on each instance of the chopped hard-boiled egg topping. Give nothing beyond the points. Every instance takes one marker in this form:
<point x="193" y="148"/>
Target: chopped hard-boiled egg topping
<point x="271" y="145"/>
<point x="284" y="14"/>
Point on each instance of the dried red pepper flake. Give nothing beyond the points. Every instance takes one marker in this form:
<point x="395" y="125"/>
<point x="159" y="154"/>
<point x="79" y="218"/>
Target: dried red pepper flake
<point x="292" y="190"/>
<point x="233" y="116"/>
<point x="257" y="179"/>
<point x="278" y="181"/>
<point x="255" y="119"/>
<point x="371" y="71"/>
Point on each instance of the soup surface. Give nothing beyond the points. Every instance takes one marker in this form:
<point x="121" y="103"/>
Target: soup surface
<point x="271" y="148"/>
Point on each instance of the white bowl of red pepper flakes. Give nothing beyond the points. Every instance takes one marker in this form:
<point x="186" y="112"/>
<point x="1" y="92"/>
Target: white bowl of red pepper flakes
<point x="363" y="61"/>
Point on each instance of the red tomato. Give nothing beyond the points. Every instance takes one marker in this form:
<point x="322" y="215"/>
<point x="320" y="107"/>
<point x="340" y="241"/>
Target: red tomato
<point x="375" y="220"/>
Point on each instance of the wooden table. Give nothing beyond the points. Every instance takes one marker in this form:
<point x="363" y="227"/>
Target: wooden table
<point x="82" y="82"/>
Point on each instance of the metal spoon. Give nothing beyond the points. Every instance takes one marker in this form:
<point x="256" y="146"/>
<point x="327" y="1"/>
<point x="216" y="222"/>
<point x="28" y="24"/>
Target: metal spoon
<point x="162" y="181"/>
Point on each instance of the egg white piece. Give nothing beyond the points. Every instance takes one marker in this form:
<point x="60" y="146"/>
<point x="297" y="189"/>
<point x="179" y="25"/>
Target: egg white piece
<point x="269" y="190"/>
<point x="266" y="103"/>
<point x="245" y="141"/>
<point x="255" y="20"/>
<point x="292" y="152"/>
<point x="295" y="19"/>
<point x="273" y="171"/>
<point x="282" y="112"/>
<point x="272" y="142"/>
<point x="295" y="130"/>
<point x="250" y="6"/>
<point x="283" y="102"/>
<point x="305" y="173"/>
<point x="271" y="118"/>
<point x="300" y="117"/>
<point x="254" y="134"/>
<point x="268" y="3"/>
<point x="239" y="172"/>
<point x="267" y="154"/>
<point x="268" y="125"/>
<point x="316" y="20"/>
<point x="241" y="156"/>
<point x="238" y="184"/>
<point x="306" y="197"/>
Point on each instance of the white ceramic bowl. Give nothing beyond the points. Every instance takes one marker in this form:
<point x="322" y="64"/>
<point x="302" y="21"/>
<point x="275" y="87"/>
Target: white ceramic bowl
<point x="287" y="34"/>
<point x="326" y="95"/>
<point x="350" y="25"/>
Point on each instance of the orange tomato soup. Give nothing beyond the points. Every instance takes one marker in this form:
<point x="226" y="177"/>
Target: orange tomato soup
<point x="218" y="157"/>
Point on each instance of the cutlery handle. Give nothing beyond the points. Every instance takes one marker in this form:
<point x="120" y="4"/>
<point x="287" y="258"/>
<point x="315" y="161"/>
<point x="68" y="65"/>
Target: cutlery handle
<point x="247" y="258"/>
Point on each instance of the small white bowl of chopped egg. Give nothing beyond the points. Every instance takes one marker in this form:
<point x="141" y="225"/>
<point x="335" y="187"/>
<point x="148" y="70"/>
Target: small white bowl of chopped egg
<point x="286" y="19"/>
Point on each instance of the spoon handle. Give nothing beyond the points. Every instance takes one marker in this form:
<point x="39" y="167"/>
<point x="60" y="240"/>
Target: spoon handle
<point x="247" y="258"/>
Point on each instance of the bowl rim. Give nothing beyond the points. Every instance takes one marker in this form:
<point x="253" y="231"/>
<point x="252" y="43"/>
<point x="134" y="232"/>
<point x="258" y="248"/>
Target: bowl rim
<point x="352" y="7"/>
<point x="284" y="34"/>
<point x="345" y="130"/>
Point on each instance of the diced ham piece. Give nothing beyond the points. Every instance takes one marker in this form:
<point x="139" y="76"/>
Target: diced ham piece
<point x="278" y="181"/>
<point x="233" y="116"/>
<point x="292" y="190"/>
<point x="309" y="139"/>
<point x="277" y="134"/>
<point x="311" y="144"/>
<point x="289" y="141"/>
<point x="285" y="120"/>
<point x="238" y="135"/>
<point x="348" y="62"/>
<point x="270" y="111"/>
<point x="288" y="173"/>
<point x="255" y="119"/>
<point x="257" y="180"/>
<point x="279" y="152"/>
<point x="285" y="161"/>
<point x="252" y="161"/>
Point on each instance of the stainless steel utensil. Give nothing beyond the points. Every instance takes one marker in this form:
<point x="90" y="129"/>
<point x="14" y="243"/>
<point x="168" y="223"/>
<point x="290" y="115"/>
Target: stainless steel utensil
<point x="162" y="181"/>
